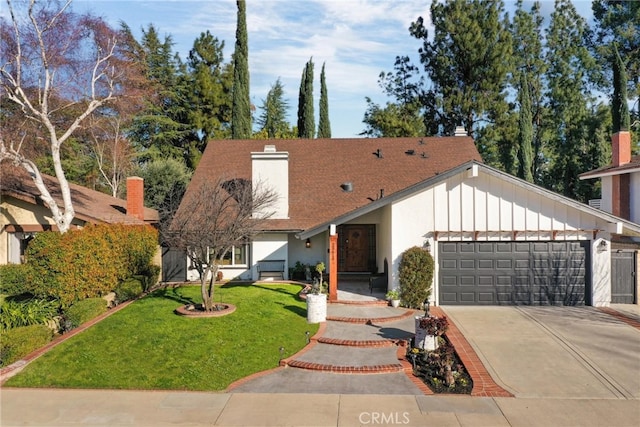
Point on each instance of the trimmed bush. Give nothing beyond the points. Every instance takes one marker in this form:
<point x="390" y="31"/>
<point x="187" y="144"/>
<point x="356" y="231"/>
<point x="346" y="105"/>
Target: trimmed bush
<point x="14" y="313"/>
<point x="90" y="262"/>
<point x="18" y="342"/>
<point x="14" y="279"/>
<point x="85" y="310"/>
<point x="130" y="288"/>
<point x="416" y="276"/>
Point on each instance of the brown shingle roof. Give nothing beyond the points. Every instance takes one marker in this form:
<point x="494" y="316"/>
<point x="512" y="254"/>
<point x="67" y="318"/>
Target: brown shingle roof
<point x="89" y="205"/>
<point x="613" y="170"/>
<point x="318" y="167"/>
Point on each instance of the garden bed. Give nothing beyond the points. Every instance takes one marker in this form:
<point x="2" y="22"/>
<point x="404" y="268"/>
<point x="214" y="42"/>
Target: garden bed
<point x="431" y="368"/>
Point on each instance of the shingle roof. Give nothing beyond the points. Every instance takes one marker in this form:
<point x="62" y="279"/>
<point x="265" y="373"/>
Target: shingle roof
<point x="634" y="164"/>
<point x="89" y="205"/>
<point x="318" y="167"/>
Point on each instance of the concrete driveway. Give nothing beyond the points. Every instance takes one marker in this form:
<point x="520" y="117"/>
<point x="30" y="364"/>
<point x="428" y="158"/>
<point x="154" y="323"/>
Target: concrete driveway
<point x="554" y="352"/>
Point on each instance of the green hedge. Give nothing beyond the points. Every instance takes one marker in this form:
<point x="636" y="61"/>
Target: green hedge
<point x="415" y="275"/>
<point x="14" y="279"/>
<point x="84" y="310"/>
<point x="89" y="262"/>
<point x="130" y="288"/>
<point x="18" y="342"/>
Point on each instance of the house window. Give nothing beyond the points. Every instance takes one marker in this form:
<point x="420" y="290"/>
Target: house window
<point x="236" y="256"/>
<point x="18" y="243"/>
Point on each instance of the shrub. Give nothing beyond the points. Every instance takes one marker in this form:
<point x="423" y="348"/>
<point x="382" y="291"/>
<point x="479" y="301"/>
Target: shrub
<point x="84" y="310"/>
<point x="130" y="288"/>
<point x="15" y="313"/>
<point x="89" y="263"/>
<point x="19" y="342"/>
<point x="415" y="276"/>
<point x="14" y="279"/>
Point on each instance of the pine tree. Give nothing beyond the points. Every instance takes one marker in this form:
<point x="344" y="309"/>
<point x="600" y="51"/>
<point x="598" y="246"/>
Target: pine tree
<point x="525" y="133"/>
<point x="324" y="126"/>
<point x="467" y="60"/>
<point x="619" y="107"/>
<point x="569" y="98"/>
<point x="273" y="119"/>
<point x="241" y="106"/>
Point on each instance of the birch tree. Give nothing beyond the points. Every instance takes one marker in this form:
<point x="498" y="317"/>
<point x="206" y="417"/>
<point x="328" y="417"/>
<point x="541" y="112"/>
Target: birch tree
<point x="57" y="67"/>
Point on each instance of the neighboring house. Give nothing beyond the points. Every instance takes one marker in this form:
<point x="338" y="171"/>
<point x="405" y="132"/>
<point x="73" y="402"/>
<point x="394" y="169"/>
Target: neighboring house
<point x="22" y="212"/>
<point x="357" y="204"/>
<point x="620" y="184"/>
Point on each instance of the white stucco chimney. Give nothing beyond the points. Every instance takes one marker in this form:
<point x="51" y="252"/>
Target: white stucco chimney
<point x="270" y="169"/>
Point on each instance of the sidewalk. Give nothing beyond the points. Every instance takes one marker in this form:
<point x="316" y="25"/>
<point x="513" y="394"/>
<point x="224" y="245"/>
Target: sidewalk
<point x="87" y="408"/>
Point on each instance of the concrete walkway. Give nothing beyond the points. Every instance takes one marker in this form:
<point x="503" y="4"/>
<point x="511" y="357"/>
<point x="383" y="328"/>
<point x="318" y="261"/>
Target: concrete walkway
<point x="565" y="367"/>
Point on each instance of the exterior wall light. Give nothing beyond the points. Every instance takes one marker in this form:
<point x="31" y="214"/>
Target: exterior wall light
<point x="307" y="244"/>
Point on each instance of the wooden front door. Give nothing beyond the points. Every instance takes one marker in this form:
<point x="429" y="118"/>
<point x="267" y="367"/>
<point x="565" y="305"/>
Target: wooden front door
<point x="356" y="248"/>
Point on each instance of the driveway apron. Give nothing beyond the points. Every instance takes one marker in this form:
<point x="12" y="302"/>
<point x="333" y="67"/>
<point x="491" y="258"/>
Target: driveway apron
<point x="561" y="352"/>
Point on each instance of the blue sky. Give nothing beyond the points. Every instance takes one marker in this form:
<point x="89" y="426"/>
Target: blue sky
<point x="357" y="39"/>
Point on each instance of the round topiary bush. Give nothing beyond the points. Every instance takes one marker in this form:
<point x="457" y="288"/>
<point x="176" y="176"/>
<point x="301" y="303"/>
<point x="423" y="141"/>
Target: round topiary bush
<point x="415" y="276"/>
<point x="84" y="310"/>
<point x="18" y="342"/>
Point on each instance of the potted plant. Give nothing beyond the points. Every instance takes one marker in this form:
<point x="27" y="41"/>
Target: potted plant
<point x="394" y="296"/>
<point x="316" y="300"/>
<point x="428" y="329"/>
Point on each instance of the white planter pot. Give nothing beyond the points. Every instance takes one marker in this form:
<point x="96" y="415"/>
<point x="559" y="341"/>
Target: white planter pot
<point x="395" y="303"/>
<point x="316" y="308"/>
<point x="423" y="340"/>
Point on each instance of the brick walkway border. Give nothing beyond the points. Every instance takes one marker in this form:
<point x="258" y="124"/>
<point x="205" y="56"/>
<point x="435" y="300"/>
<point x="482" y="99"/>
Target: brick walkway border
<point x="483" y="384"/>
<point x="621" y="316"/>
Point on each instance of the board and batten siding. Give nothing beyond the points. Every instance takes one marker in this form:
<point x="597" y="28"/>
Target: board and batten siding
<point x="486" y="207"/>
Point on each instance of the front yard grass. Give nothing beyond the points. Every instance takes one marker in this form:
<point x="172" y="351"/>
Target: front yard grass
<point x="147" y="346"/>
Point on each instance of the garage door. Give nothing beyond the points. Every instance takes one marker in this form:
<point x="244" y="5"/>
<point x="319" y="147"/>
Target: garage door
<point x="513" y="273"/>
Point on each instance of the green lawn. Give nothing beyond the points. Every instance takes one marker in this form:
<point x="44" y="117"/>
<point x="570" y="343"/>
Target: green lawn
<point x="147" y="346"/>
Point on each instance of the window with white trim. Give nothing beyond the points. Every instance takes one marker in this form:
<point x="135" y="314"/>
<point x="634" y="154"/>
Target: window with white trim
<point x="237" y="256"/>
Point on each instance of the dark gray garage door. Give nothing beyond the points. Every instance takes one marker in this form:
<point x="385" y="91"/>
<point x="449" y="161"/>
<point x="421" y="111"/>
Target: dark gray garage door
<point x="513" y="273"/>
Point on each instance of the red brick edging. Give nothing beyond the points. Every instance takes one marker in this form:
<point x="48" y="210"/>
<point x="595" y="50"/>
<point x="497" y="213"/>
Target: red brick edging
<point x="483" y="384"/>
<point x="621" y="316"/>
<point x="371" y="320"/>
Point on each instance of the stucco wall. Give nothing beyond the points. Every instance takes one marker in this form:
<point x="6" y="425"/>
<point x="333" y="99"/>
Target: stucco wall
<point x="634" y="198"/>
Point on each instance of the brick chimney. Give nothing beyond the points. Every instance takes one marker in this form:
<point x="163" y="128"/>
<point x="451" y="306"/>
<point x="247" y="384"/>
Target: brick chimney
<point x="135" y="197"/>
<point x="620" y="184"/>
<point x="621" y="148"/>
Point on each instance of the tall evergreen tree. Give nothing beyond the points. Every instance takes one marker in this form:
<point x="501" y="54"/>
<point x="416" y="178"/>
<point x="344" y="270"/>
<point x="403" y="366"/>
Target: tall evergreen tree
<point x="405" y="115"/>
<point x="619" y="107"/>
<point x="161" y="129"/>
<point x="306" y="118"/>
<point x="528" y="59"/>
<point x="273" y="119"/>
<point x="210" y="81"/>
<point x="324" y="126"/>
<point x="571" y="67"/>
<point x="241" y="106"/>
<point x="467" y="59"/>
<point x="525" y="132"/>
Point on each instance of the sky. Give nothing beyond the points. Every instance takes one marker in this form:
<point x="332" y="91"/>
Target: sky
<point x="356" y="39"/>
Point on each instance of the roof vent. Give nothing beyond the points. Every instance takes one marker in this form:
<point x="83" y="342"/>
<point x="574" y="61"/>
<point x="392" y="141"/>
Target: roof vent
<point x="421" y="141"/>
<point x="410" y="152"/>
<point x="460" y="131"/>
<point x="378" y="153"/>
<point x="269" y="148"/>
<point x="424" y="155"/>
<point x="347" y="186"/>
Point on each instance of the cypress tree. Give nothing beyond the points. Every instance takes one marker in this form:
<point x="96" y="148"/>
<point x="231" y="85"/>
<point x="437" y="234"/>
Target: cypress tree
<point x="525" y="131"/>
<point x="241" y="105"/>
<point x="620" y="109"/>
<point x="306" y="118"/>
<point x="324" y="126"/>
